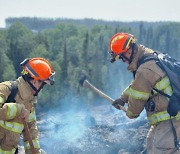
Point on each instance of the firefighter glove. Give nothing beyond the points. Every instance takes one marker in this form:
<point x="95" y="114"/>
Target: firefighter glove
<point x="118" y="102"/>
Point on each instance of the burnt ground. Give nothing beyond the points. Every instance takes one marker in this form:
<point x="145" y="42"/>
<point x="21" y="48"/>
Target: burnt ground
<point x="100" y="130"/>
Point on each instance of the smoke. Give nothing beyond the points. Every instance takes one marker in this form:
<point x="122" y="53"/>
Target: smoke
<point x="74" y="128"/>
<point x="118" y="78"/>
<point x="77" y="127"/>
<point x="63" y="127"/>
<point x="63" y="133"/>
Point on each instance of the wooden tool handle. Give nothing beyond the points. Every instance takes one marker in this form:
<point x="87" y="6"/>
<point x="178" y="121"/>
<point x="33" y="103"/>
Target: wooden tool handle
<point x="100" y="93"/>
<point x="28" y="135"/>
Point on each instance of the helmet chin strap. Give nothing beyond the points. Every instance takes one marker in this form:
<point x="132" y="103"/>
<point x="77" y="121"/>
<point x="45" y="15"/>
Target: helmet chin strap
<point x="28" y="79"/>
<point x="35" y="89"/>
<point x="124" y="57"/>
<point x="131" y="57"/>
<point x="132" y="54"/>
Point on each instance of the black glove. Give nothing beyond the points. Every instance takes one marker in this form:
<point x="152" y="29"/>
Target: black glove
<point x="118" y="102"/>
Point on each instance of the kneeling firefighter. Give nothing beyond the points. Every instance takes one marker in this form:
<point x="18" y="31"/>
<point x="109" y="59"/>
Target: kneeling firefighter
<point x="140" y="94"/>
<point x="36" y="73"/>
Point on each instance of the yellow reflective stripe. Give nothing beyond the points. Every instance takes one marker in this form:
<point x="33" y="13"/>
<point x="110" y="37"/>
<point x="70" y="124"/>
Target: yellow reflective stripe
<point x="35" y="143"/>
<point x="7" y="152"/>
<point x="158" y="117"/>
<point x="138" y="94"/>
<point x="32" y="116"/>
<point x="35" y="102"/>
<point x="126" y="91"/>
<point x="12" y="126"/>
<point x="162" y="84"/>
<point x="1" y="100"/>
<point x="178" y="116"/>
<point x="11" y="110"/>
<point x="168" y="90"/>
<point x="161" y="116"/>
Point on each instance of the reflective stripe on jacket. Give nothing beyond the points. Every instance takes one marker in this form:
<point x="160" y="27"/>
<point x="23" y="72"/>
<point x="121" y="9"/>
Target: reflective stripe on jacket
<point x="137" y="94"/>
<point x="12" y="126"/>
<point x="161" y="116"/>
<point x="164" y="86"/>
<point x="7" y="152"/>
<point x="32" y="117"/>
<point x="11" y="111"/>
<point x="35" y="143"/>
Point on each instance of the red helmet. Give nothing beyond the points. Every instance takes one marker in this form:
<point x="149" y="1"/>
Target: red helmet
<point x="120" y="42"/>
<point x="39" y="69"/>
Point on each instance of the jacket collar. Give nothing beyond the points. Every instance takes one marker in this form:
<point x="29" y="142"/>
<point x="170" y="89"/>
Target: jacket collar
<point x="24" y="89"/>
<point x="137" y="55"/>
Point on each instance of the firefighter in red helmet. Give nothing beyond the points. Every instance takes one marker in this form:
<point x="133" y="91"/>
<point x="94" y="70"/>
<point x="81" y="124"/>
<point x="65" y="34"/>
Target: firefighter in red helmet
<point x="140" y="94"/>
<point x="36" y="73"/>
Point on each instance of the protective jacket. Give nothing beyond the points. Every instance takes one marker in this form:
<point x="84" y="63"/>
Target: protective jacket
<point x="11" y="126"/>
<point x="140" y="94"/>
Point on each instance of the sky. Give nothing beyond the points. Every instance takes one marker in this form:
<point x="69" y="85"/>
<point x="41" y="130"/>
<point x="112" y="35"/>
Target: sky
<point x="111" y="10"/>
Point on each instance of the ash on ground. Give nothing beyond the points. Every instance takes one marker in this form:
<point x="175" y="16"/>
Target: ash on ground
<point x="99" y="130"/>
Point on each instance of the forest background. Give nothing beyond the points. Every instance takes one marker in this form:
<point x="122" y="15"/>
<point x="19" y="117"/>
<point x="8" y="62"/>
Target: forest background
<point x="76" y="47"/>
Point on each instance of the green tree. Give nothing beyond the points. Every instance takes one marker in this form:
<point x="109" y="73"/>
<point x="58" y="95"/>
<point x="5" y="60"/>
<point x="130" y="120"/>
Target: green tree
<point x="6" y="70"/>
<point x="21" y="44"/>
<point x="64" y="64"/>
<point x="85" y="52"/>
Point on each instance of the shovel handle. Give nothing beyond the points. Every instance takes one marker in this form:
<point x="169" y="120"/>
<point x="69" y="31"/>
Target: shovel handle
<point x="28" y="135"/>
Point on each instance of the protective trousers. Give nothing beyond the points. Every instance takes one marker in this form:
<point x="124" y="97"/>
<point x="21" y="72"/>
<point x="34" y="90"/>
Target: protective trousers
<point x="160" y="138"/>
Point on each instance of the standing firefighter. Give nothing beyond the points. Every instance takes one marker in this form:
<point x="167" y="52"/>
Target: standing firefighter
<point x="164" y="132"/>
<point x="36" y="73"/>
